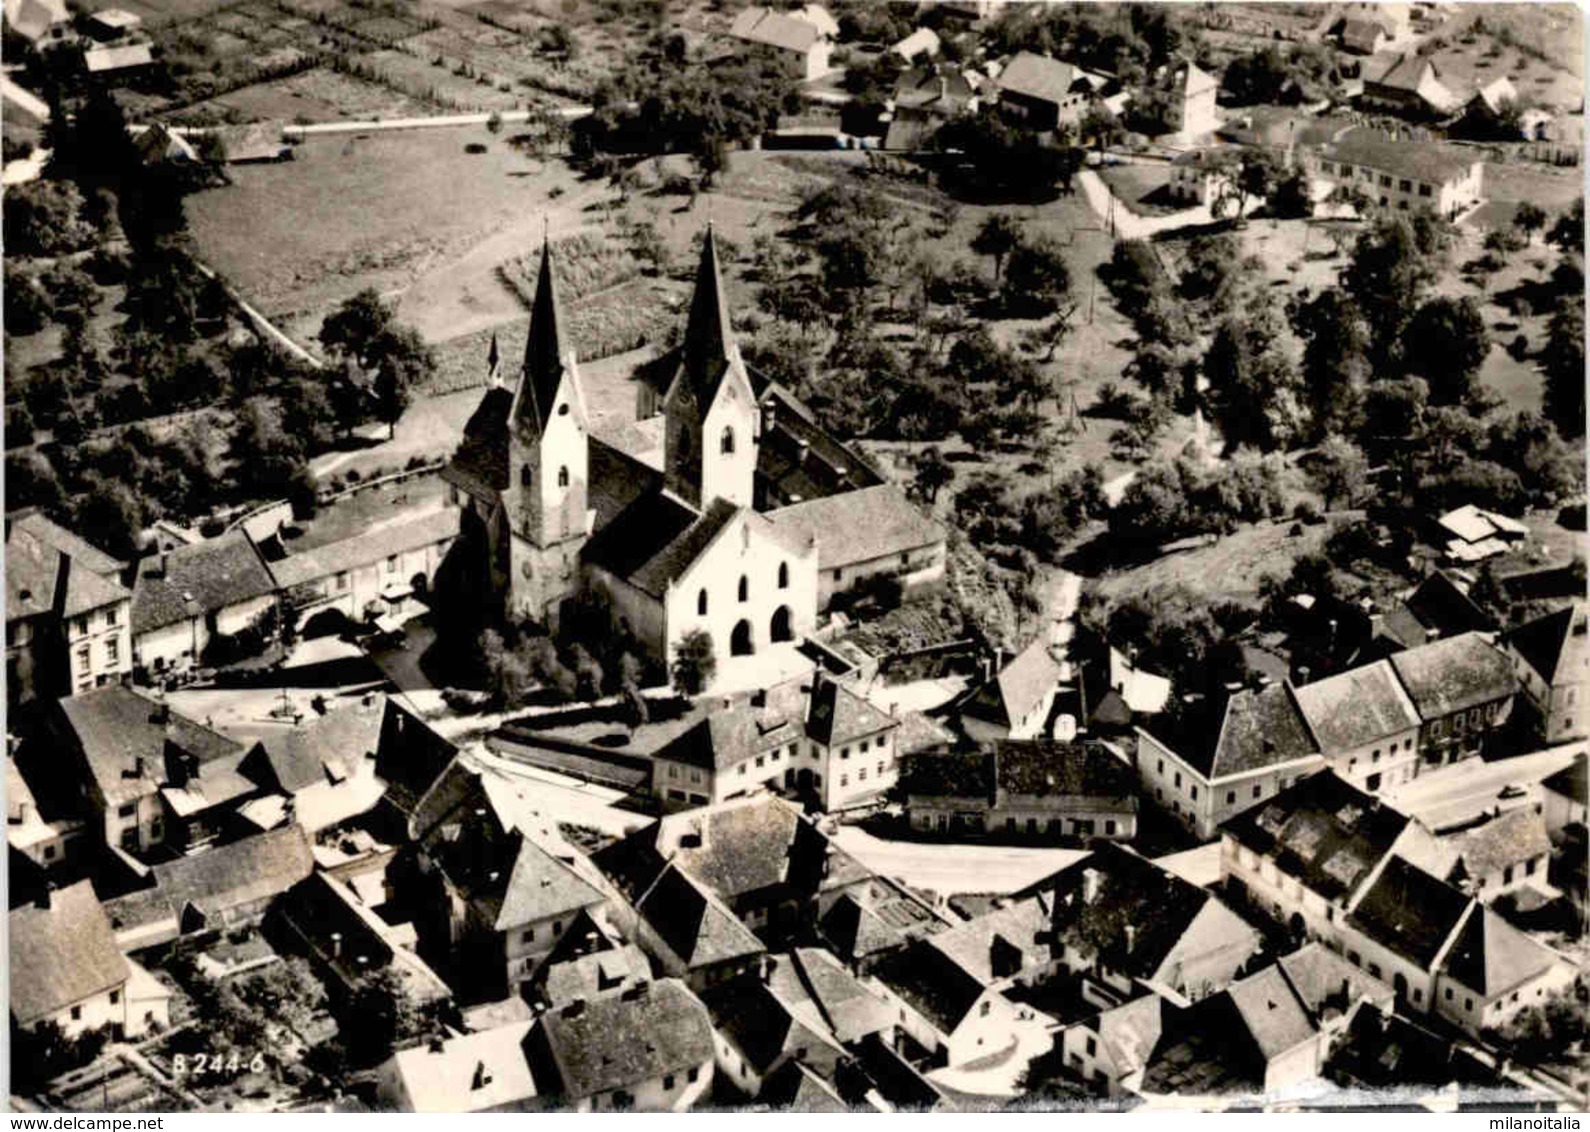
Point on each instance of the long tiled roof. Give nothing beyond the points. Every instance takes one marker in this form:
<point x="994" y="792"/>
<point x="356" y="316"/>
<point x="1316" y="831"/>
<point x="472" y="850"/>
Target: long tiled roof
<point x="220" y="879"/>
<point x="301" y="757"/>
<point x="1433" y="163"/>
<point x="1359" y="706"/>
<point x="368" y="547"/>
<point x="727" y="737"/>
<point x="89" y="556"/>
<point x="1436" y="605"/>
<point x="1258" y="729"/>
<point x="1018" y="688"/>
<point x="656" y="539"/>
<point x="61" y="954"/>
<point x="1038" y="77"/>
<point x="774" y="29"/>
<point x="931" y="983"/>
<point x="1454" y="674"/>
<point x="215" y="573"/>
<point x="859" y="526"/>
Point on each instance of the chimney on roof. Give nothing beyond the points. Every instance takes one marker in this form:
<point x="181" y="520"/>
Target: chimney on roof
<point x="574" y="1009"/>
<point x="803" y="449"/>
<point x="165" y="562"/>
<point x="336" y="945"/>
<point x="1431" y="634"/>
<point x="638" y="991"/>
<point x="769" y="416"/>
<point x="482" y="1076"/>
<point x="759" y="698"/>
<point x="1091" y="879"/>
<point x="436" y="1045"/>
<point x="1131" y="938"/>
<point x="1302" y="673"/>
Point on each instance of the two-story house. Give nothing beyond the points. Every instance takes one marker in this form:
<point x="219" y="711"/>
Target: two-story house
<point x="1016" y="702"/>
<point x="67" y="969"/>
<point x="1122" y="923"/>
<point x="1404" y="175"/>
<point x="1043" y="94"/>
<point x="1502" y="854"/>
<point x="1551" y="659"/>
<point x="800" y="45"/>
<point x="1015" y="789"/>
<point x="648" y="1047"/>
<point x="147" y="775"/>
<point x="1210" y="761"/>
<point x="495" y="899"/>
<point x="186" y="597"/>
<point x="1365" y="724"/>
<point x="68" y="616"/>
<point x="1462" y="687"/>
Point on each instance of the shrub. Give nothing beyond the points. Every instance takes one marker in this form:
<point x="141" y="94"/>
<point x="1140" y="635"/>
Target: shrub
<point x="1307" y="511"/>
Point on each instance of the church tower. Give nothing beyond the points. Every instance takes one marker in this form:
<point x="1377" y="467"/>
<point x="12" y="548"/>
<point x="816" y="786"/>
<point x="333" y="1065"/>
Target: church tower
<point x="710" y="409"/>
<point x="545" y="503"/>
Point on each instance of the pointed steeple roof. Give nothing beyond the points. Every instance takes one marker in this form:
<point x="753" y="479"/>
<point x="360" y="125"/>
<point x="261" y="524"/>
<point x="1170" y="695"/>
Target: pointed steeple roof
<point x="545" y="357"/>
<point x="709" y="348"/>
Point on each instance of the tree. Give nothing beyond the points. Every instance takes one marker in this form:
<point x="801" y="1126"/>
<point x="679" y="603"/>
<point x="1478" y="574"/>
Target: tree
<point x="113" y="513"/>
<point x="996" y="238"/>
<point x="1394" y="264"/>
<point x="710" y="157"/>
<point x="1340" y="472"/>
<point x="1567" y="231"/>
<point x="933" y="473"/>
<point x="363" y="330"/>
<point x="1253" y="384"/>
<point x="1037" y="279"/>
<point x="1335" y="366"/>
<point x="508" y="676"/>
<point x="45" y="217"/>
<point x="1248" y="174"/>
<point x="1446" y="342"/>
<point x="1529" y="218"/>
<point x="379" y="1014"/>
<point x="266" y="454"/>
<point x="31" y="481"/>
<point x="695" y="663"/>
<point x="1564" y="365"/>
<point x="1292" y="198"/>
<point x="587" y="672"/>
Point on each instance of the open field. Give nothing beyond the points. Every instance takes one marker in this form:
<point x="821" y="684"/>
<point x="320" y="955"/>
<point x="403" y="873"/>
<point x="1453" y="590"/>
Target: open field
<point x="367" y="210"/>
<point x="1227" y="570"/>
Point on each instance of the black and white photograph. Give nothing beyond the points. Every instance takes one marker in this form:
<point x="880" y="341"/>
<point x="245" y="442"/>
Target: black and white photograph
<point x="866" y="556"/>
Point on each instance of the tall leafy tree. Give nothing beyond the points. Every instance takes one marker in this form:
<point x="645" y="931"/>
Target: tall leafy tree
<point x="1253" y="384"/>
<point x="996" y="238"/>
<point x="1335" y="363"/>
<point x="1563" y="362"/>
<point x="1394" y="264"/>
<point x="1446" y="342"/>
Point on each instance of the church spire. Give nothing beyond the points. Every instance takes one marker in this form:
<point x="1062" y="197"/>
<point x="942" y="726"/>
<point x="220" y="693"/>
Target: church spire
<point x="545" y="357"/>
<point x="709" y="346"/>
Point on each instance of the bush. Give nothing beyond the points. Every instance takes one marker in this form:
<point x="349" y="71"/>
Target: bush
<point x="1307" y="511"/>
<point x="212" y="527"/>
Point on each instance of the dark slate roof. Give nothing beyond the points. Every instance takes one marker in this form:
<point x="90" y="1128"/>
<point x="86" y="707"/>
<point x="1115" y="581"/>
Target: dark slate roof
<point x="219" y="879"/>
<point x="1554" y="645"/>
<point x="1361" y="705"/>
<point x="617" y="479"/>
<point x="215" y="573"/>
<point x="931" y="983"/>
<point x="949" y="774"/>
<point x="337" y="740"/>
<point x="1454" y="674"/>
<point x="762" y="1027"/>
<point x="709" y="351"/>
<point x="896" y="1079"/>
<point x="655" y="539"/>
<point x="410" y="758"/>
<point x="1130" y="890"/>
<point x="1492" y="957"/>
<point x="480" y="465"/>
<point x="839" y="716"/>
<point x="1437" y="605"/>
<point x="622" y="1040"/>
<point x="1039" y="77"/>
<point x="1033" y="768"/>
<point x="116" y="726"/>
<point x="1410" y="912"/>
<point x="1572" y="781"/>
<point x="1206" y="1050"/>
<point x="1258" y="729"/>
<point x="1322" y="830"/>
<point x="874" y="917"/>
<point x="61" y="954"/>
<point x="546" y="360"/>
<point x="1381" y="1050"/>
<point x="799" y="1088"/>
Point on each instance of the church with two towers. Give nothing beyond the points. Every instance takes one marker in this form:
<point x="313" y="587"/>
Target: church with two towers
<point x="742" y="530"/>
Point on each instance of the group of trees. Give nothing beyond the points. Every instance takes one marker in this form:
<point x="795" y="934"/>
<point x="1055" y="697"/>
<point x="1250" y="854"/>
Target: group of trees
<point x="1176" y="498"/>
<point x="1298" y="72"/>
<point x="1130" y="42"/>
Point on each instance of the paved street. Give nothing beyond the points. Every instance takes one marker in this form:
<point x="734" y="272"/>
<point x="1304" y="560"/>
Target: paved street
<point x="949" y="869"/>
<point x="1457" y="794"/>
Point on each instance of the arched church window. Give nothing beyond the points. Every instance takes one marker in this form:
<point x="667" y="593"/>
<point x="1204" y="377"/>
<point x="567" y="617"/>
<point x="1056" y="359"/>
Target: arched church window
<point x="701" y="603"/>
<point x="563" y="476"/>
<point x="745" y="588"/>
<point x="783" y="575"/>
<point x="728" y="442"/>
<point x="524" y="476"/>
